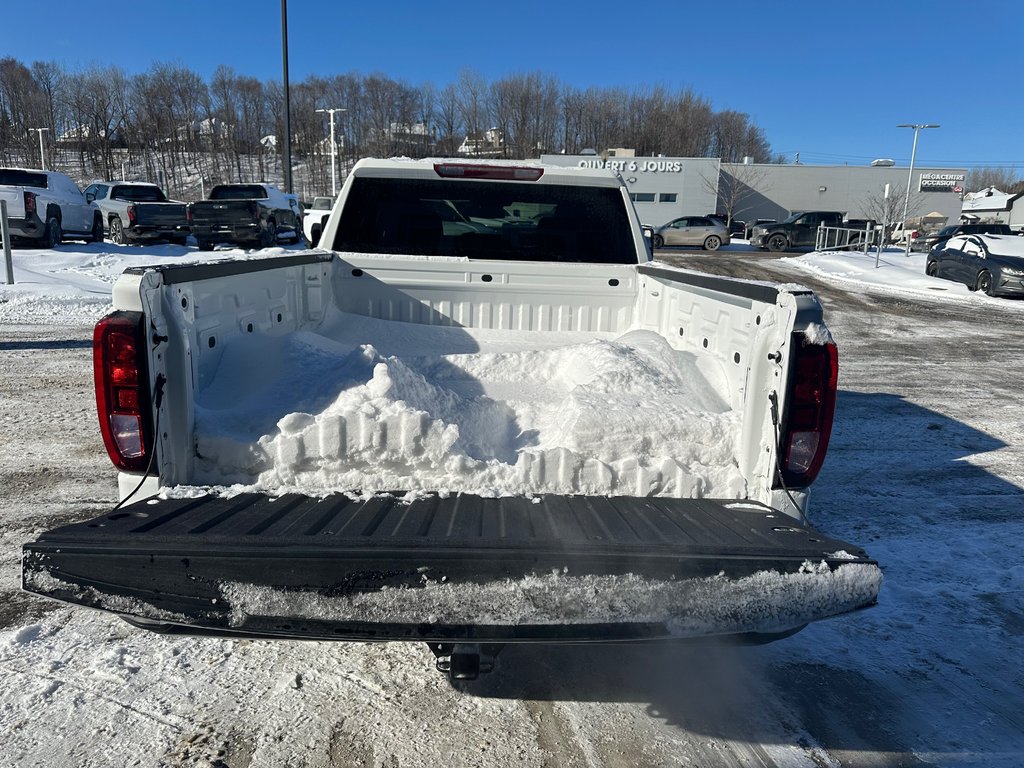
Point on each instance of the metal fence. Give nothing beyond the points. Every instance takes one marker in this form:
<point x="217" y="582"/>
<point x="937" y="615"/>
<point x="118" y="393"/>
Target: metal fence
<point x="844" y="239"/>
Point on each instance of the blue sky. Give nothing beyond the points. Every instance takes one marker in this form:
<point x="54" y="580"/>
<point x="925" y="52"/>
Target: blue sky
<point x="830" y="80"/>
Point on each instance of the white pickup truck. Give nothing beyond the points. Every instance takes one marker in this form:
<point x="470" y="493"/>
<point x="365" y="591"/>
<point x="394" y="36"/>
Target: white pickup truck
<point x="481" y="416"/>
<point x="44" y="207"/>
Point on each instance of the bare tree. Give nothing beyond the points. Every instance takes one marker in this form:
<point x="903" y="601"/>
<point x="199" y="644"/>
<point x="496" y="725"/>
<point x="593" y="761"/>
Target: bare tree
<point x="889" y="210"/>
<point x="1002" y="179"/>
<point x="737" y="186"/>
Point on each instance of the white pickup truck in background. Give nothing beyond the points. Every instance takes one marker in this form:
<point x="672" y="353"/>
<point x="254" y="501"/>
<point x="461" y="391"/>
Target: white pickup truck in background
<point x="44" y="207"/>
<point x="315" y="217"/>
<point x="480" y="416"/>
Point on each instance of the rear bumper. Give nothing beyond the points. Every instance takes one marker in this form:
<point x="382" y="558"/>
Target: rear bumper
<point x="157" y="232"/>
<point x="563" y="569"/>
<point x="31" y="228"/>
<point x="235" y="232"/>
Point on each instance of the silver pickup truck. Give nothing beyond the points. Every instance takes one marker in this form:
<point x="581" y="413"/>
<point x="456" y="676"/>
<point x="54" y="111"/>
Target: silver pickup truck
<point x="137" y="212"/>
<point x="480" y="417"/>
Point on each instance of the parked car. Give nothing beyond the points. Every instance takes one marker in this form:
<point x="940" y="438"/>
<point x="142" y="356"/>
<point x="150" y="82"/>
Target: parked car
<point x="990" y="263"/>
<point x="800" y="230"/>
<point x="45" y="207"/>
<point x="136" y="211"/>
<point x="315" y="218"/>
<point x="245" y="214"/>
<point x="929" y="241"/>
<point x="700" y="231"/>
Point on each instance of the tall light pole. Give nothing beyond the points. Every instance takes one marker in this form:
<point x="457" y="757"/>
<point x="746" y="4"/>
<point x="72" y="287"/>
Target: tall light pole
<point x="287" y="100"/>
<point x="910" y="178"/>
<point x="42" y="155"/>
<point x="334" y="164"/>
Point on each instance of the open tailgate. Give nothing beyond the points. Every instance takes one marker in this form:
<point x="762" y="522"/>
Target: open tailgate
<point x="463" y="567"/>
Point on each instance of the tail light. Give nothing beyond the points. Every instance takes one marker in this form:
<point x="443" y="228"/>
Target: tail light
<point x="122" y="397"/>
<point x="30" y="204"/>
<point x="131" y="215"/>
<point x="810" y="410"/>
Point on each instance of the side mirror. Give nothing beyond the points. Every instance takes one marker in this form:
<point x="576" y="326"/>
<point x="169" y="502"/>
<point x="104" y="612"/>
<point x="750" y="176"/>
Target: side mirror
<point x="90" y="197"/>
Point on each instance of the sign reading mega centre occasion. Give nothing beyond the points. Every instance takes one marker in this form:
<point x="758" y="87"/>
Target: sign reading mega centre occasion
<point x="939" y="182"/>
<point x="648" y="166"/>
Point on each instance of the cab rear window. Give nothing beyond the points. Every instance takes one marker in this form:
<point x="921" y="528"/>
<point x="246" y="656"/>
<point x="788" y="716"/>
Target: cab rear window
<point x="486" y="220"/>
<point x="15" y="178"/>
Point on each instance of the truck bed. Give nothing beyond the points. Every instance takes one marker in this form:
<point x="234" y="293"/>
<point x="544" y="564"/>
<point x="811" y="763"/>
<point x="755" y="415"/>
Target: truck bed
<point x="514" y="569"/>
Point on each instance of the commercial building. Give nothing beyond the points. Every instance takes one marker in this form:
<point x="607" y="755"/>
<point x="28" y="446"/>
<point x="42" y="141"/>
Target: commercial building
<point x="664" y="188"/>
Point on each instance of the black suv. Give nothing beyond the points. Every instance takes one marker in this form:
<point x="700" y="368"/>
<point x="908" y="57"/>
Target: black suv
<point x="927" y="242"/>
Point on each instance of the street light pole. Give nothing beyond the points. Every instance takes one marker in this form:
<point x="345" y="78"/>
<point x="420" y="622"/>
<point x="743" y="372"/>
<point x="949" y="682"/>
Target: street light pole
<point x="287" y="100"/>
<point x="334" y="164"/>
<point x="910" y="178"/>
<point x="42" y="155"/>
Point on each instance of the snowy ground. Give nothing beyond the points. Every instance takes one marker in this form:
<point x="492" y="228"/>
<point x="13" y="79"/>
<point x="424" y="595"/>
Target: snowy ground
<point x="926" y="470"/>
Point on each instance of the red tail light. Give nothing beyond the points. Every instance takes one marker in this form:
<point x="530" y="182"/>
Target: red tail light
<point x="122" y="397"/>
<point x="30" y="204"/>
<point x="501" y="172"/>
<point x="811" y="408"/>
<point x="131" y="214"/>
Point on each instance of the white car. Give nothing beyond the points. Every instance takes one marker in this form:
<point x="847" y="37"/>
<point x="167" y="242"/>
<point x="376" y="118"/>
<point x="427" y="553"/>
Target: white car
<point x="315" y="217"/>
<point x="45" y="207"/>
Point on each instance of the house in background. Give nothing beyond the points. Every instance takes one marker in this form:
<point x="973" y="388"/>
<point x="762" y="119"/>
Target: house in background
<point x="990" y="206"/>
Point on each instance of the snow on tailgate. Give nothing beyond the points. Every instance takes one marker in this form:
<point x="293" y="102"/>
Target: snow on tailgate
<point x="766" y="601"/>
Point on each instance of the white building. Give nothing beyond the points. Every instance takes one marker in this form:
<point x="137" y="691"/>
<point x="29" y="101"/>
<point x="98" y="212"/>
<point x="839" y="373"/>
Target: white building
<point x="990" y="206"/>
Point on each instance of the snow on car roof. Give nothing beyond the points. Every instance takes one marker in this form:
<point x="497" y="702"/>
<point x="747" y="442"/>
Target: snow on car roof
<point x="1004" y="245"/>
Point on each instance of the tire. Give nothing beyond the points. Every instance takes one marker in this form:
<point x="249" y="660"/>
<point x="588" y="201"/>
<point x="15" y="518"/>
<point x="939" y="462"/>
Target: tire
<point x="778" y="243"/>
<point x="53" y="236"/>
<point x="712" y="243"/>
<point x="117" y="232"/>
<point x="658" y="241"/>
<point x="268" y="235"/>
<point x="984" y="282"/>
<point x="97" y="230"/>
<point x="932" y="269"/>
<point x="204" y="244"/>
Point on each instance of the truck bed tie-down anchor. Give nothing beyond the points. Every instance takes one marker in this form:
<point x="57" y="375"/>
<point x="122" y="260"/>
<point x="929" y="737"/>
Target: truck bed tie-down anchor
<point x="465" y="661"/>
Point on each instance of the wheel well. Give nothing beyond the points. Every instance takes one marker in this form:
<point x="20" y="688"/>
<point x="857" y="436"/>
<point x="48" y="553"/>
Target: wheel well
<point x="112" y="217"/>
<point x="53" y="212"/>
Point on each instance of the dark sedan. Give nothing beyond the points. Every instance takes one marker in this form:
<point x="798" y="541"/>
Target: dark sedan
<point x="932" y="239"/>
<point x="990" y="263"/>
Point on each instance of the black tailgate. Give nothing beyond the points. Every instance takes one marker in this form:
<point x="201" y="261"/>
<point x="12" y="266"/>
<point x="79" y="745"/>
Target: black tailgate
<point x="444" y="567"/>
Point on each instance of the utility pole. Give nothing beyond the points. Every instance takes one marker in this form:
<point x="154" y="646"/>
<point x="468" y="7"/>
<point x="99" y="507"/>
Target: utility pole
<point x="42" y="154"/>
<point x="334" y="147"/>
<point x="910" y="178"/>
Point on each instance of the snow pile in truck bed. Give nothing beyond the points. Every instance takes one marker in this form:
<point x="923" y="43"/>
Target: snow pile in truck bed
<point x="555" y="413"/>
<point x="766" y="601"/>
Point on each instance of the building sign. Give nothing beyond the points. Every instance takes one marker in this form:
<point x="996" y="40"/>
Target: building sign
<point x="940" y="182"/>
<point x="642" y="165"/>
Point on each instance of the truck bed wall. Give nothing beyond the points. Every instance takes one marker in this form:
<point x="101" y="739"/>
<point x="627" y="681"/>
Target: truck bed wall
<point x="731" y="326"/>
